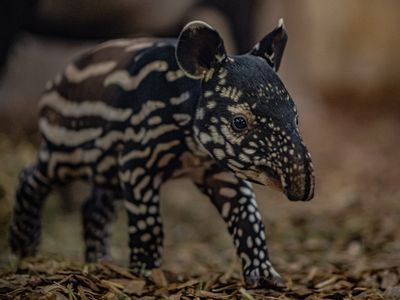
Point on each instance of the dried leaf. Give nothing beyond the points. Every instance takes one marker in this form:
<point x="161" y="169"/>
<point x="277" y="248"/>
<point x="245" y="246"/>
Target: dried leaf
<point x="389" y="279"/>
<point x="82" y="293"/>
<point x="180" y="286"/>
<point x="158" y="278"/>
<point x="211" y="295"/>
<point x="135" y="287"/>
<point x="119" y="270"/>
<point x="326" y="282"/>
<point x="246" y="294"/>
<point x="392" y="293"/>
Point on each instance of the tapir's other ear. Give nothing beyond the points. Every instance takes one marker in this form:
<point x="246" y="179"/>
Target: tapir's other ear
<point x="271" y="47"/>
<point x="199" y="49"/>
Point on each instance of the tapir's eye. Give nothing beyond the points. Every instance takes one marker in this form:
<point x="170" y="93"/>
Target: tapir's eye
<point x="239" y="123"/>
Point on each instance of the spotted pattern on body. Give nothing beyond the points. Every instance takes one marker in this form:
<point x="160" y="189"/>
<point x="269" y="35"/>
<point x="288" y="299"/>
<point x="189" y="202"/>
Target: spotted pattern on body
<point x="129" y="115"/>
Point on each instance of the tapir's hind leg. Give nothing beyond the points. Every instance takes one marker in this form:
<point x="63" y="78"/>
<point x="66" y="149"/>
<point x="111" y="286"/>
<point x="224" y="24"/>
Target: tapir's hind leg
<point x="97" y="214"/>
<point x="25" y="230"/>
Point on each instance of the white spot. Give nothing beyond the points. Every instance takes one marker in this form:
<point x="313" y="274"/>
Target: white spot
<point x="252" y="218"/>
<point x="226" y="177"/>
<point x="246" y="191"/>
<point x="244" y="158"/>
<point x="132" y="229"/>
<point x="153" y="209"/>
<point x="204" y="138"/>
<point x="226" y="209"/>
<point x="256" y="227"/>
<point x="249" y="151"/>
<point x="219" y="153"/>
<point x="249" y="242"/>
<point x="227" y="192"/>
<point x="200" y="114"/>
<point x="208" y="93"/>
<point x="145" y="237"/>
<point x="156" y="230"/>
<point x="141" y="224"/>
<point x="150" y="221"/>
<point x="251" y="208"/>
<point x="211" y="104"/>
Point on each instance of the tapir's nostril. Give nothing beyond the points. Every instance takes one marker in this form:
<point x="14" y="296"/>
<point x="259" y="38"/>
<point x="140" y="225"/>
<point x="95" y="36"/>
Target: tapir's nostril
<point x="300" y="186"/>
<point x="308" y="186"/>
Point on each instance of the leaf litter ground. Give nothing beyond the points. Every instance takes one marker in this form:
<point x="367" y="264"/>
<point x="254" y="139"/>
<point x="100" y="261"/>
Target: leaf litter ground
<point x="345" y="244"/>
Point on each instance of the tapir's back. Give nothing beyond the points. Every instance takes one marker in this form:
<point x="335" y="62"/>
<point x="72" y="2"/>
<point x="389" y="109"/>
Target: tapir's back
<point x="111" y="92"/>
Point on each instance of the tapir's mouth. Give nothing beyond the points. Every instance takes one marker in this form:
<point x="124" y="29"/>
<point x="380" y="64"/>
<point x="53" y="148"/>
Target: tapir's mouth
<point x="266" y="177"/>
<point x="298" y="188"/>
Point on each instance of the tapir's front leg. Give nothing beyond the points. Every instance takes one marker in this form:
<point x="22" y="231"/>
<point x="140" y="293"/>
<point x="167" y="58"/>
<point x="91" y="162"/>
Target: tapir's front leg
<point x="141" y="191"/>
<point x="235" y="201"/>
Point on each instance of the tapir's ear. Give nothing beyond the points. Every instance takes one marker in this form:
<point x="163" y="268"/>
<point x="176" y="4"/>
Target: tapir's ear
<point x="271" y="47"/>
<point x="199" y="49"/>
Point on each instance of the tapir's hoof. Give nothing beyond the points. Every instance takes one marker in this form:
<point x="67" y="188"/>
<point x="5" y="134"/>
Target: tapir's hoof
<point x="273" y="281"/>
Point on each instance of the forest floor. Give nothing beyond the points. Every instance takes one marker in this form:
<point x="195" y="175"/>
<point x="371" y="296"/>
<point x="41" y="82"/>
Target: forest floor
<point x="344" y="244"/>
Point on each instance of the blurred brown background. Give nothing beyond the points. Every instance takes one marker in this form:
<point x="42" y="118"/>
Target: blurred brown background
<point x="342" y="68"/>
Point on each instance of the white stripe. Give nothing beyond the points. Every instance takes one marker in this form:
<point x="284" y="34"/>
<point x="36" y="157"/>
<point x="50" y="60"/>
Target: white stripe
<point x="115" y="43"/>
<point x="158" y="131"/>
<point x="140" y="186"/>
<point x="135" y="154"/>
<point x="154" y="120"/>
<point x="73" y="74"/>
<point x="146" y="109"/>
<point x="182" y="119"/>
<point x="76" y="157"/>
<point x="114" y="136"/>
<point x="180" y="99"/>
<point x="67" y="171"/>
<point x="165" y="160"/>
<point x="135" y="174"/>
<point x="107" y="163"/>
<point x="158" y="149"/>
<point x="128" y="82"/>
<point x="62" y="136"/>
<point x="86" y="108"/>
<point x="135" y="209"/>
<point x="174" y="75"/>
<point x="141" y="45"/>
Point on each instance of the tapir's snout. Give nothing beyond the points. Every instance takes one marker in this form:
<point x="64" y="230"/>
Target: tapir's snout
<point x="297" y="176"/>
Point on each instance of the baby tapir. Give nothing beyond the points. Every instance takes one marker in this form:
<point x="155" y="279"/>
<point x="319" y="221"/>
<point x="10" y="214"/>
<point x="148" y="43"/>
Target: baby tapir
<point x="131" y="114"/>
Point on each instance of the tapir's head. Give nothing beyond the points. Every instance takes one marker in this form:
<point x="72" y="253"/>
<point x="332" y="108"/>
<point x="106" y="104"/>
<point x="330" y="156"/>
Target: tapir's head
<point x="245" y="117"/>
